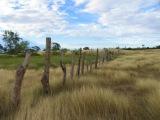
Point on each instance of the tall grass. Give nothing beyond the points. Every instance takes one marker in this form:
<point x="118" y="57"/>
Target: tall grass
<point x="127" y="88"/>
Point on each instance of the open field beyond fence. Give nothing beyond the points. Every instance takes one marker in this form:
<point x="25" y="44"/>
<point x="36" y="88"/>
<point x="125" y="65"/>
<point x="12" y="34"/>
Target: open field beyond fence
<point x="127" y="88"/>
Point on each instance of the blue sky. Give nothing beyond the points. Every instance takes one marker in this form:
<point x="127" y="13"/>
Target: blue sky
<point x="80" y="23"/>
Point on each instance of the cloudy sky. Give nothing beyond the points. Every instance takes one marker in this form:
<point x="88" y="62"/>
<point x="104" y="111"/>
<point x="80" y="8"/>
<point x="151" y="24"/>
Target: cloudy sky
<point x="79" y="23"/>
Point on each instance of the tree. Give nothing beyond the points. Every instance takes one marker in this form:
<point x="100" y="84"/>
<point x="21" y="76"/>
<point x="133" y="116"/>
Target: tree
<point x="143" y="46"/>
<point x="56" y="46"/>
<point x="35" y="49"/>
<point x="64" y="50"/>
<point x="1" y="48"/>
<point x="86" y="48"/>
<point x="13" y="43"/>
<point x="22" y="46"/>
<point x="158" y="47"/>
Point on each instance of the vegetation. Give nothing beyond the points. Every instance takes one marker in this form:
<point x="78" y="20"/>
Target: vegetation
<point x="127" y="88"/>
<point x="37" y="60"/>
<point x="56" y="46"/>
<point x="143" y="48"/>
<point x="13" y="43"/>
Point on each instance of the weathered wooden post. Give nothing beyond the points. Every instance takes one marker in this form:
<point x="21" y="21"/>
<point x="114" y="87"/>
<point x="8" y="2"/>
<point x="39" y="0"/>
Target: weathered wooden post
<point x="45" y="77"/>
<point x="91" y="66"/>
<point x="107" y="54"/>
<point x="103" y="56"/>
<point x="63" y="66"/>
<point x="19" y="78"/>
<point x="118" y="51"/>
<point x="87" y="67"/>
<point x="83" y="63"/>
<point x="79" y="62"/>
<point x="111" y="55"/>
<point x="96" y="62"/>
<point x="72" y="67"/>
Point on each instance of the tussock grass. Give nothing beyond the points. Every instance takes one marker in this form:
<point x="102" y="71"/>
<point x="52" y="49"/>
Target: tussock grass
<point x="127" y="88"/>
<point x="147" y="86"/>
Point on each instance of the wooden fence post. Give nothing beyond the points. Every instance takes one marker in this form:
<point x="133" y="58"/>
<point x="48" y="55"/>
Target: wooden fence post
<point x="87" y="67"/>
<point x="107" y="55"/>
<point x="63" y="66"/>
<point x="103" y="56"/>
<point x="72" y="67"/>
<point x="91" y="66"/>
<point x="19" y="78"/>
<point x="83" y="62"/>
<point x="45" y="77"/>
<point x="96" y="62"/>
<point x="79" y="62"/>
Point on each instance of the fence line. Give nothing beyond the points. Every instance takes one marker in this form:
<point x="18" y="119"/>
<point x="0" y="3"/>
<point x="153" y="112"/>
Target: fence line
<point x="100" y="58"/>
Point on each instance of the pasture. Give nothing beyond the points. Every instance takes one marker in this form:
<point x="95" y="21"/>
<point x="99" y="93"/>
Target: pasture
<point x="37" y="62"/>
<point x="126" y="88"/>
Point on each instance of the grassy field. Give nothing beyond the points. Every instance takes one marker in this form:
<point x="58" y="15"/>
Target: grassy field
<point x="127" y="88"/>
<point x="37" y="62"/>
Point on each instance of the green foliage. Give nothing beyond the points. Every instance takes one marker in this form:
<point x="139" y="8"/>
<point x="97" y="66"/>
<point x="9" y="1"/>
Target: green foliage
<point x="158" y="47"/>
<point x="22" y="46"/>
<point x="35" y="49"/>
<point x="37" y="60"/>
<point x="1" y="48"/>
<point x="64" y="50"/>
<point x="86" y="48"/>
<point x="56" y="46"/>
<point x="13" y="43"/>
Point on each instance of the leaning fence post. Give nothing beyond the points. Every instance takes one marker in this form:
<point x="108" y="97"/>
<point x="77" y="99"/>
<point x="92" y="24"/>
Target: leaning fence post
<point x="79" y="62"/>
<point x="96" y="62"/>
<point x="63" y="66"/>
<point x="19" y="78"/>
<point x="72" y="67"/>
<point x="83" y="62"/>
<point x="45" y="77"/>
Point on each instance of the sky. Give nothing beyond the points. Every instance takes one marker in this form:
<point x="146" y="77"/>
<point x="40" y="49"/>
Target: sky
<point x="81" y="23"/>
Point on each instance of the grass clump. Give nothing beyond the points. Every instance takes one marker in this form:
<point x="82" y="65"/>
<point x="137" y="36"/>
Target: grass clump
<point x="91" y="103"/>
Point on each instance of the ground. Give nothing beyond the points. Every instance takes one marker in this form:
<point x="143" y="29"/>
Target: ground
<point x="127" y="88"/>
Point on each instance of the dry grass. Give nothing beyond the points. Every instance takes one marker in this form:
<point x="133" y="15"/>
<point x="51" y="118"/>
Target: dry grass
<point x="127" y="88"/>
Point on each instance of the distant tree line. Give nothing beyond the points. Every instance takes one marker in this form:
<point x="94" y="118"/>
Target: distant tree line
<point x="14" y="44"/>
<point x="141" y="48"/>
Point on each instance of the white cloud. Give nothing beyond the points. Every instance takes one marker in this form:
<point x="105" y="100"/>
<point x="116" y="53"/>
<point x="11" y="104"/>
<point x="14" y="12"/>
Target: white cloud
<point x="79" y="2"/>
<point x="125" y="18"/>
<point x="32" y="17"/>
<point x="118" y="19"/>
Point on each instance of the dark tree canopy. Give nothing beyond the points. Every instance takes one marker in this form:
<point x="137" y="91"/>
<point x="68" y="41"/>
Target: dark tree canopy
<point x="86" y="48"/>
<point x="158" y="47"/>
<point x="1" y="48"/>
<point x="35" y="49"/>
<point x="13" y="43"/>
<point x="56" y="46"/>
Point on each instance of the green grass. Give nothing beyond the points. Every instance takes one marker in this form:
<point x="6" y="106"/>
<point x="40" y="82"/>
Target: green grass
<point x="37" y="62"/>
